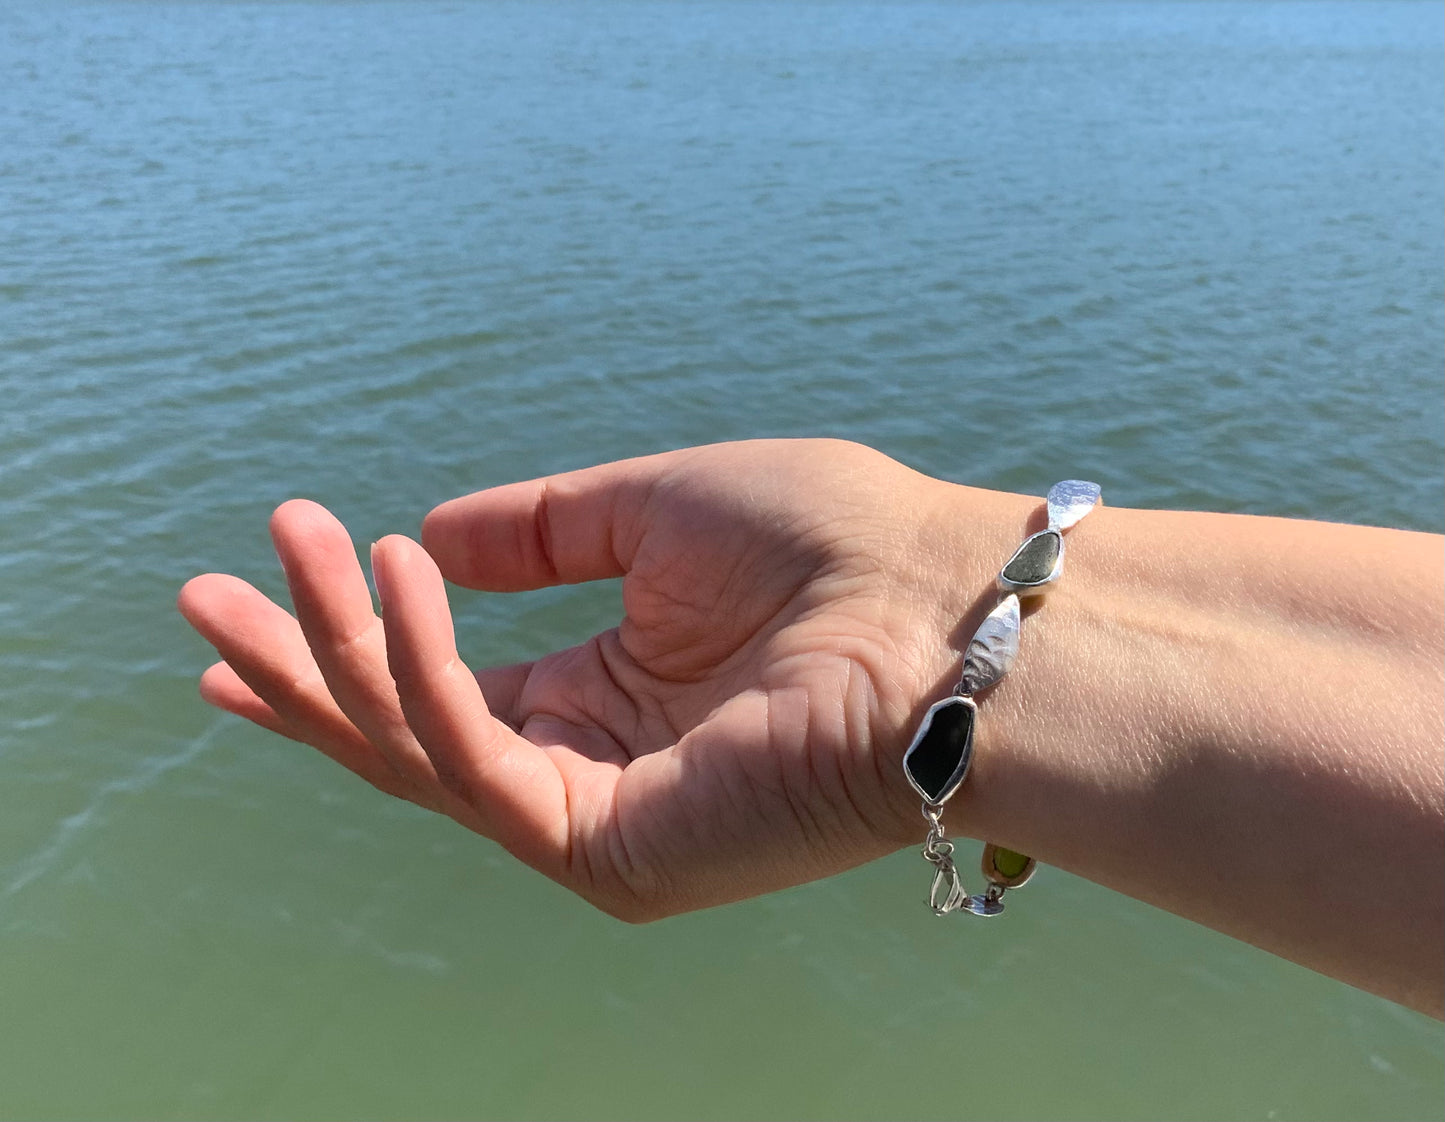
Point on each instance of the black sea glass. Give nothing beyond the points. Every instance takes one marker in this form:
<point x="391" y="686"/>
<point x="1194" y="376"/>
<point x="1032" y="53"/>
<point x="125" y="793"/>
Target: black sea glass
<point x="938" y="758"/>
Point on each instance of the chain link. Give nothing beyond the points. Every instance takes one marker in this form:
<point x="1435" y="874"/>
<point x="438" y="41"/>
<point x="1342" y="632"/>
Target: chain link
<point x="946" y="894"/>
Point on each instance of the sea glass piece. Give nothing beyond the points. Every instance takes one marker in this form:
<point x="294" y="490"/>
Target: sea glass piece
<point x="993" y="648"/>
<point x="1070" y="500"/>
<point x="1036" y="563"/>
<point x="936" y="763"/>
<point x="1006" y="867"/>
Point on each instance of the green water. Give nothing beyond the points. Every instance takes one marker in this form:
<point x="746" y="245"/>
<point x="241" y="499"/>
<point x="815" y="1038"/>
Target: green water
<point x="382" y="254"/>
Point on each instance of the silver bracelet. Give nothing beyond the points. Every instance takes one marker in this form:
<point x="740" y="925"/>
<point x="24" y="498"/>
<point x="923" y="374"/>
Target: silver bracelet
<point x="937" y="760"/>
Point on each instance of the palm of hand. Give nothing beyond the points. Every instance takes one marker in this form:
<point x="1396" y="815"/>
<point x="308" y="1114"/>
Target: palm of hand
<point x="739" y="731"/>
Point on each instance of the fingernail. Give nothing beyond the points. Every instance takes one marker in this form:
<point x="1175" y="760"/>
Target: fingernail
<point x="376" y="577"/>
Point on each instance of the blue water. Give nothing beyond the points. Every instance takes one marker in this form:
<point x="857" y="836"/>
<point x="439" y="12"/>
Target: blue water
<point x="381" y="254"/>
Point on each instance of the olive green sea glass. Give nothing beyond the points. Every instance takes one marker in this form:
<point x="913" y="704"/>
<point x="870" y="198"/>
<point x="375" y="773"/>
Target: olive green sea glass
<point x="1035" y="563"/>
<point x="1009" y="864"/>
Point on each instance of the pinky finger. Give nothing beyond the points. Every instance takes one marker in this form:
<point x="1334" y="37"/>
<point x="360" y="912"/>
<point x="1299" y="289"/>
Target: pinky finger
<point x="222" y="687"/>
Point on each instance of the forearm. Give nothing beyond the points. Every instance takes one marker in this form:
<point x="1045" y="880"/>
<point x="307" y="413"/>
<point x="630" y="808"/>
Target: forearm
<point x="1240" y="720"/>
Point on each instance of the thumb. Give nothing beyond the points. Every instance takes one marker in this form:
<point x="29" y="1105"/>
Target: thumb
<point x="562" y="529"/>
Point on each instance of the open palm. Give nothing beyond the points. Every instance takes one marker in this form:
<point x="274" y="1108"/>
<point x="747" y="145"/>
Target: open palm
<point x="739" y="731"/>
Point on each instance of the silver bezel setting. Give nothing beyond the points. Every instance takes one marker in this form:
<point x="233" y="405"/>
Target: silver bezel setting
<point x="1034" y="588"/>
<point x="993" y="876"/>
<point x="960" y="771"/>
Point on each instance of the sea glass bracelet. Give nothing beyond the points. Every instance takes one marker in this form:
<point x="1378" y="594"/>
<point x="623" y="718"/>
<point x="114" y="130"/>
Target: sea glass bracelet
<point x="938" y="758"/>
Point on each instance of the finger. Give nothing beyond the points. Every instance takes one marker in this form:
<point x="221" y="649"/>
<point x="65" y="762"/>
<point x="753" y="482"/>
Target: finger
<point x="334" y="609"/>
<point x="563" y="529"/>
<point x="511" y="782"/>
<point x="224" y="688"/>
<point x="266" y="656"/>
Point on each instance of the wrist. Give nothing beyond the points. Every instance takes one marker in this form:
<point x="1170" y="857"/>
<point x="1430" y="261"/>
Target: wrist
<point x="1038" y="731"/>
<point x="1233" y="718"/>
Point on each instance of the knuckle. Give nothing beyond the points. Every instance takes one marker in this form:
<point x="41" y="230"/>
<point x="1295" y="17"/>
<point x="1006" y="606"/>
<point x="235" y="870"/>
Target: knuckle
<point x="629" y="908"/>
<point x="636" y="898"/>
<point x="451" y="780"/>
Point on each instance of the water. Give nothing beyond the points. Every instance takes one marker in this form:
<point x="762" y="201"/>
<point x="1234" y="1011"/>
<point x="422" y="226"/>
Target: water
<point x="382" y="254"/>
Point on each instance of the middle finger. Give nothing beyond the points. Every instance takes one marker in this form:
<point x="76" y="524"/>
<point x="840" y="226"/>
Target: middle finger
<point x="333" y="605"/>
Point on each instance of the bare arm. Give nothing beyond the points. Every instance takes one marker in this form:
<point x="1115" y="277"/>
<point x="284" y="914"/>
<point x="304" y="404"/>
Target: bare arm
<point x="1237" y="719"/>
<point x="1240" y="720"/>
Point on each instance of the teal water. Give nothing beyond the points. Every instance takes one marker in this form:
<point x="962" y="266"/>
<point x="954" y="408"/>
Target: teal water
<point x="380" y="254"/>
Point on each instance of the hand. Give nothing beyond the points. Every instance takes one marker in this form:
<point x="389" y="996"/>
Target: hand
<point x="787" y="611"/>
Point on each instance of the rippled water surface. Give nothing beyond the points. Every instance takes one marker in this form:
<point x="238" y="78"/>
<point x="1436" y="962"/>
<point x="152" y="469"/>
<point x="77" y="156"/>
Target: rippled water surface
<point x="380" y="254"/>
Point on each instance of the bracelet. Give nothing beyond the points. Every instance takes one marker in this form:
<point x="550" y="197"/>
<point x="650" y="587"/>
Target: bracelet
<point x="937" y="760"/>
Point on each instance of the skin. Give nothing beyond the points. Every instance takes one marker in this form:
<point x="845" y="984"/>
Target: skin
<point x="1238" y="719"/>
